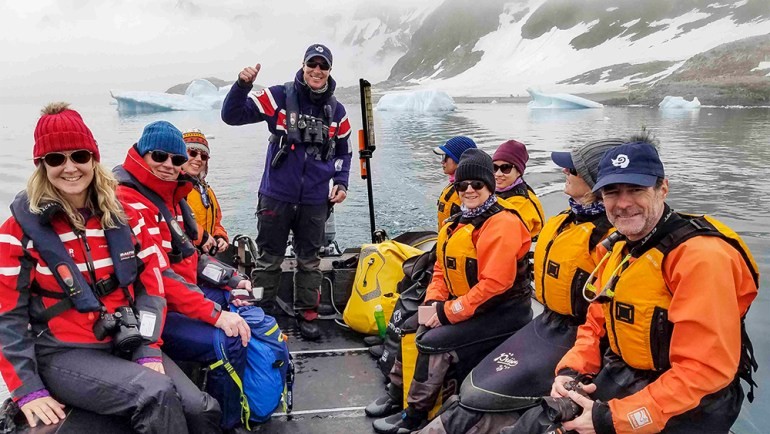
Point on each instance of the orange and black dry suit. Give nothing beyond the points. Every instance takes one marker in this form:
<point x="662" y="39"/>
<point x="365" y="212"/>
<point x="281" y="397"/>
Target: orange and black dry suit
<point x="448" y="204"/>
<point x="527" y="206"/>
<point x="516" y="374"/>
<point x="481" y="288"/>
<point x="677" y="317"/>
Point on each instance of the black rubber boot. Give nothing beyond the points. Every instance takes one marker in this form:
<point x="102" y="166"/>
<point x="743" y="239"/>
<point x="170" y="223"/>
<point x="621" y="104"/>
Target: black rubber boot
<point x="402" y="423"/>
<point x="376" y="351"/>
<point x="308" y="325"/>
<point x="388" y="404"/>
<point x="372" y="340"/>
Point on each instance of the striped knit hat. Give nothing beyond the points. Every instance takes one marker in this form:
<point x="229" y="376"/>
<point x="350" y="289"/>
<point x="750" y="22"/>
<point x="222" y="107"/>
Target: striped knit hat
<point x="194" y="139"/>
<point x="60" y="129"/>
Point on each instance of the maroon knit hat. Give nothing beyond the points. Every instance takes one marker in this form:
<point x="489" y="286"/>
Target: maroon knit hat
<point x="513" y="152"/>
<point x="60" y="129"/>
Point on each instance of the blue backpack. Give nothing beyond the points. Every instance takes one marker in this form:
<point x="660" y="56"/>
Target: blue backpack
<point x="261" y="374"/>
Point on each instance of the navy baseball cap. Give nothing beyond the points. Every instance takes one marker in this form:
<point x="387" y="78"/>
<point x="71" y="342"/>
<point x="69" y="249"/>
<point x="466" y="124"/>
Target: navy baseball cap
<point x="635" y="163"/>
<point x="318" y="50"/>
<point x="563" y="159"/>
<point x="455" y="147"/>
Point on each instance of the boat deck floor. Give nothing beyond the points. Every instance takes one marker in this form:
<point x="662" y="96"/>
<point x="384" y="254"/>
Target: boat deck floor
<point x="336" y="378"/>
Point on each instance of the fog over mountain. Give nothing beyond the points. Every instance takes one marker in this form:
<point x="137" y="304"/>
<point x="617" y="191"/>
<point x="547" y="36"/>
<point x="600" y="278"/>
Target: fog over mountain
<point x="480" y="48"/>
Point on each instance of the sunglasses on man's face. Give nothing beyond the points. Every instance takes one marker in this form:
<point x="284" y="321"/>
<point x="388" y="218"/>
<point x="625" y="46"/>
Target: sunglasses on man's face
<point x="505" y="168"/>
<point x="162" y="156"/>
<point x="194" y="153"/>
<point x="572" y="172"/>
<point x="55" y="159"/>
<point x="463" y="185"/>
<point x="324" y="66"/>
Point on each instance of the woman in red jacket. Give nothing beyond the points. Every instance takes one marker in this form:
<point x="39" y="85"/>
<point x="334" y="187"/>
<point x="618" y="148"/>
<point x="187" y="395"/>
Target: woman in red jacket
<point x="81" y="304"/>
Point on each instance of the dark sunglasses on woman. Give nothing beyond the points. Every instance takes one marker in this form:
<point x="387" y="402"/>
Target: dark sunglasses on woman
<point x="324" y="66"/>
<point x="194" y="153"/>
<point x="505" y="168"/>
<point x="55" y="159"/>
<point x="463" y="185"/>
<point x="162" y="156"/>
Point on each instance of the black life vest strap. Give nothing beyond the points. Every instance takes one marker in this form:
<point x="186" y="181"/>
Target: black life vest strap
<point x="601" y="226"/>
<point x="181" y="244"/>
<point x="449" y="193"/>
<point x="292" y="115"/>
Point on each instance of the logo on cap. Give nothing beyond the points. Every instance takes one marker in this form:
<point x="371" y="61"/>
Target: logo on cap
<point x="319" y="48"/>
<point x="621" y="161"/>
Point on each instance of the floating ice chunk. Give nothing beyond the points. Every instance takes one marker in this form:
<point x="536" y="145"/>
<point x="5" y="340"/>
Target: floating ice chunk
<point x="418" y="101"/>
<point x="200" y="95"/>
<point x="559" y="101"/>
<point x="677" y="102"/>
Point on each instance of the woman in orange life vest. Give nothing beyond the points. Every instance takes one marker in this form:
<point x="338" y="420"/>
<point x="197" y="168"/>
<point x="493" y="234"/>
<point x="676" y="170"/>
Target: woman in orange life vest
<point x="84" y="275"/>
<point x="202" y="199"/>
<point x="516" y="374"/>
<point x="510" y="160"/>
<point x="479" y="298"/>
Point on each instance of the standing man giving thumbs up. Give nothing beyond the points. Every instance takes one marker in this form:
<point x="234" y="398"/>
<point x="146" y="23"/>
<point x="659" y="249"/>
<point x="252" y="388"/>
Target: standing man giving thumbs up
<point x="307" y="168"/>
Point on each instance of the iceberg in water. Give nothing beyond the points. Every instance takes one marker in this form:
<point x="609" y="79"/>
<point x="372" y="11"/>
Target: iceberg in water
<point x="542" y="100"/>
<point x="200" y="95"/>
<point x="677" y="102"/>
<point x="418" y="101"/>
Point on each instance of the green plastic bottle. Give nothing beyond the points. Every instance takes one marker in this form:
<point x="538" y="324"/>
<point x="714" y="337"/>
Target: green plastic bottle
<point x="379" y="318"/>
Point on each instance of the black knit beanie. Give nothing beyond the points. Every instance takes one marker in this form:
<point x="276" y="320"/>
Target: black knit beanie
<point x="476" y="164"/>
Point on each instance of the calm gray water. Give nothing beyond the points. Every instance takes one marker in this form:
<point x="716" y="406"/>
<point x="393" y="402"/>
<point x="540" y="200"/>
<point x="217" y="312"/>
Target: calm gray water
<point x="715" y="159"/>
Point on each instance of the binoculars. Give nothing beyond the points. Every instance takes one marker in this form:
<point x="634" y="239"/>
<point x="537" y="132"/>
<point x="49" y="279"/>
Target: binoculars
<point x="312" y="130"/>
<point x="122" y="325"/>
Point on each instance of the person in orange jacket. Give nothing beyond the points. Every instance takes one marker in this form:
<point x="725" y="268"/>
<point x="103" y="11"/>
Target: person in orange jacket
<point x="670" y="298"/>
<point x="202" y="199"/>
<point x="479" y="294"/>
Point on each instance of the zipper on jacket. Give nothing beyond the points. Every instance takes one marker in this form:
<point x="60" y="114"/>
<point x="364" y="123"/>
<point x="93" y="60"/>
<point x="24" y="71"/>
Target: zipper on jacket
<point x="446" y="279"/>
<point x="302" y="178"/>
<point x="545" y="268"/>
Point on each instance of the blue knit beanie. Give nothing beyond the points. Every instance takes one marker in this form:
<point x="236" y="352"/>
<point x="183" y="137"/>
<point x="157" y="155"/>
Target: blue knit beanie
<point x="455" y="147"/>
<point x="161" y="136"/>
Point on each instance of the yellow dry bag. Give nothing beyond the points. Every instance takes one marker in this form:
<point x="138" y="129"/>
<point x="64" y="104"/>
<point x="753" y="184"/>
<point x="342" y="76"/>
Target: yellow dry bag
<point x="378" y="272"/>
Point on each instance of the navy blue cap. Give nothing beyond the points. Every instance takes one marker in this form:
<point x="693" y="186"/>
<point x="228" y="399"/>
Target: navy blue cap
<point x="318" y="50"/>
<point x="635" y="163"/>
<point x="563" y="159"/>
<point x="455" y="147"/>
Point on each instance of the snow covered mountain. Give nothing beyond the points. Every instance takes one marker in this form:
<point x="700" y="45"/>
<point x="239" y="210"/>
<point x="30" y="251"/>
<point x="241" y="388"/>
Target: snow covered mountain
<point x="493" y="47"/>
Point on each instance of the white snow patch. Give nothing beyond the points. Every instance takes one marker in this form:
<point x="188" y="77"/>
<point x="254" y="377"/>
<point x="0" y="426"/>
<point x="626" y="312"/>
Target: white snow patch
<point x="418" y="101"/>
<point x="762" y="66"/>
<point x="631" y="23"/>
<point x="614" y="8"/>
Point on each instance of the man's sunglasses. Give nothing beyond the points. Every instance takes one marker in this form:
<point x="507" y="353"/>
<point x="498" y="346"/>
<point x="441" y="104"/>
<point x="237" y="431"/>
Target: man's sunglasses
<point x="463" y="185"/>
<point x="55" y="159"/>
<point x="194" y="153"/>
<point x="162" y="156"/>
<point x="324" y="66"/>
<point x="505" y="168"/>
<point x="572" y="172"/>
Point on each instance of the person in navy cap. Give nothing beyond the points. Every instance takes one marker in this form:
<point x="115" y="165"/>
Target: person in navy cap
<point x="306" y="172"/>
<point x="669" y="296"/>
<point x="450" y="152"/>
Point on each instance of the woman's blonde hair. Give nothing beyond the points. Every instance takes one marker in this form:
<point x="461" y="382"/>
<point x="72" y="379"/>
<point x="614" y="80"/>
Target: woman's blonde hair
<point x="101" y="191"/>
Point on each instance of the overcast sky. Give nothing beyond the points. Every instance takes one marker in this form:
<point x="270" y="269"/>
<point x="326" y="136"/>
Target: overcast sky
<point x="82" y="48"/>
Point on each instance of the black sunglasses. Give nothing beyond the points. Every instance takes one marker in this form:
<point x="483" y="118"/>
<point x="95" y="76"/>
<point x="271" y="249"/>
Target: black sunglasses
<point x="463" y="185"/>
<point x="55" y="159"/>
<point x="573" y="172"/>
<point x="194" y="153"/>
<point x="505" y="168"/>
<point x="324" y="66"/>
<point x="162" y="156"/>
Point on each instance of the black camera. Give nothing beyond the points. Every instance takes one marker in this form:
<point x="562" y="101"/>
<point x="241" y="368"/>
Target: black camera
<point x="122" y="325"/>
<point x="563" y="409"/>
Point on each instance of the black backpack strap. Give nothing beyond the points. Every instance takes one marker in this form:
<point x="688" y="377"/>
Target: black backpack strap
<point x="748" y="362"/>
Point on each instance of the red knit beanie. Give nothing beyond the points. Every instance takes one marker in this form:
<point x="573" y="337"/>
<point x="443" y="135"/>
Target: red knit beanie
<point x="195" y="139"/>
<point x="60" y="129"/>
<point x="513" y="152"/>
